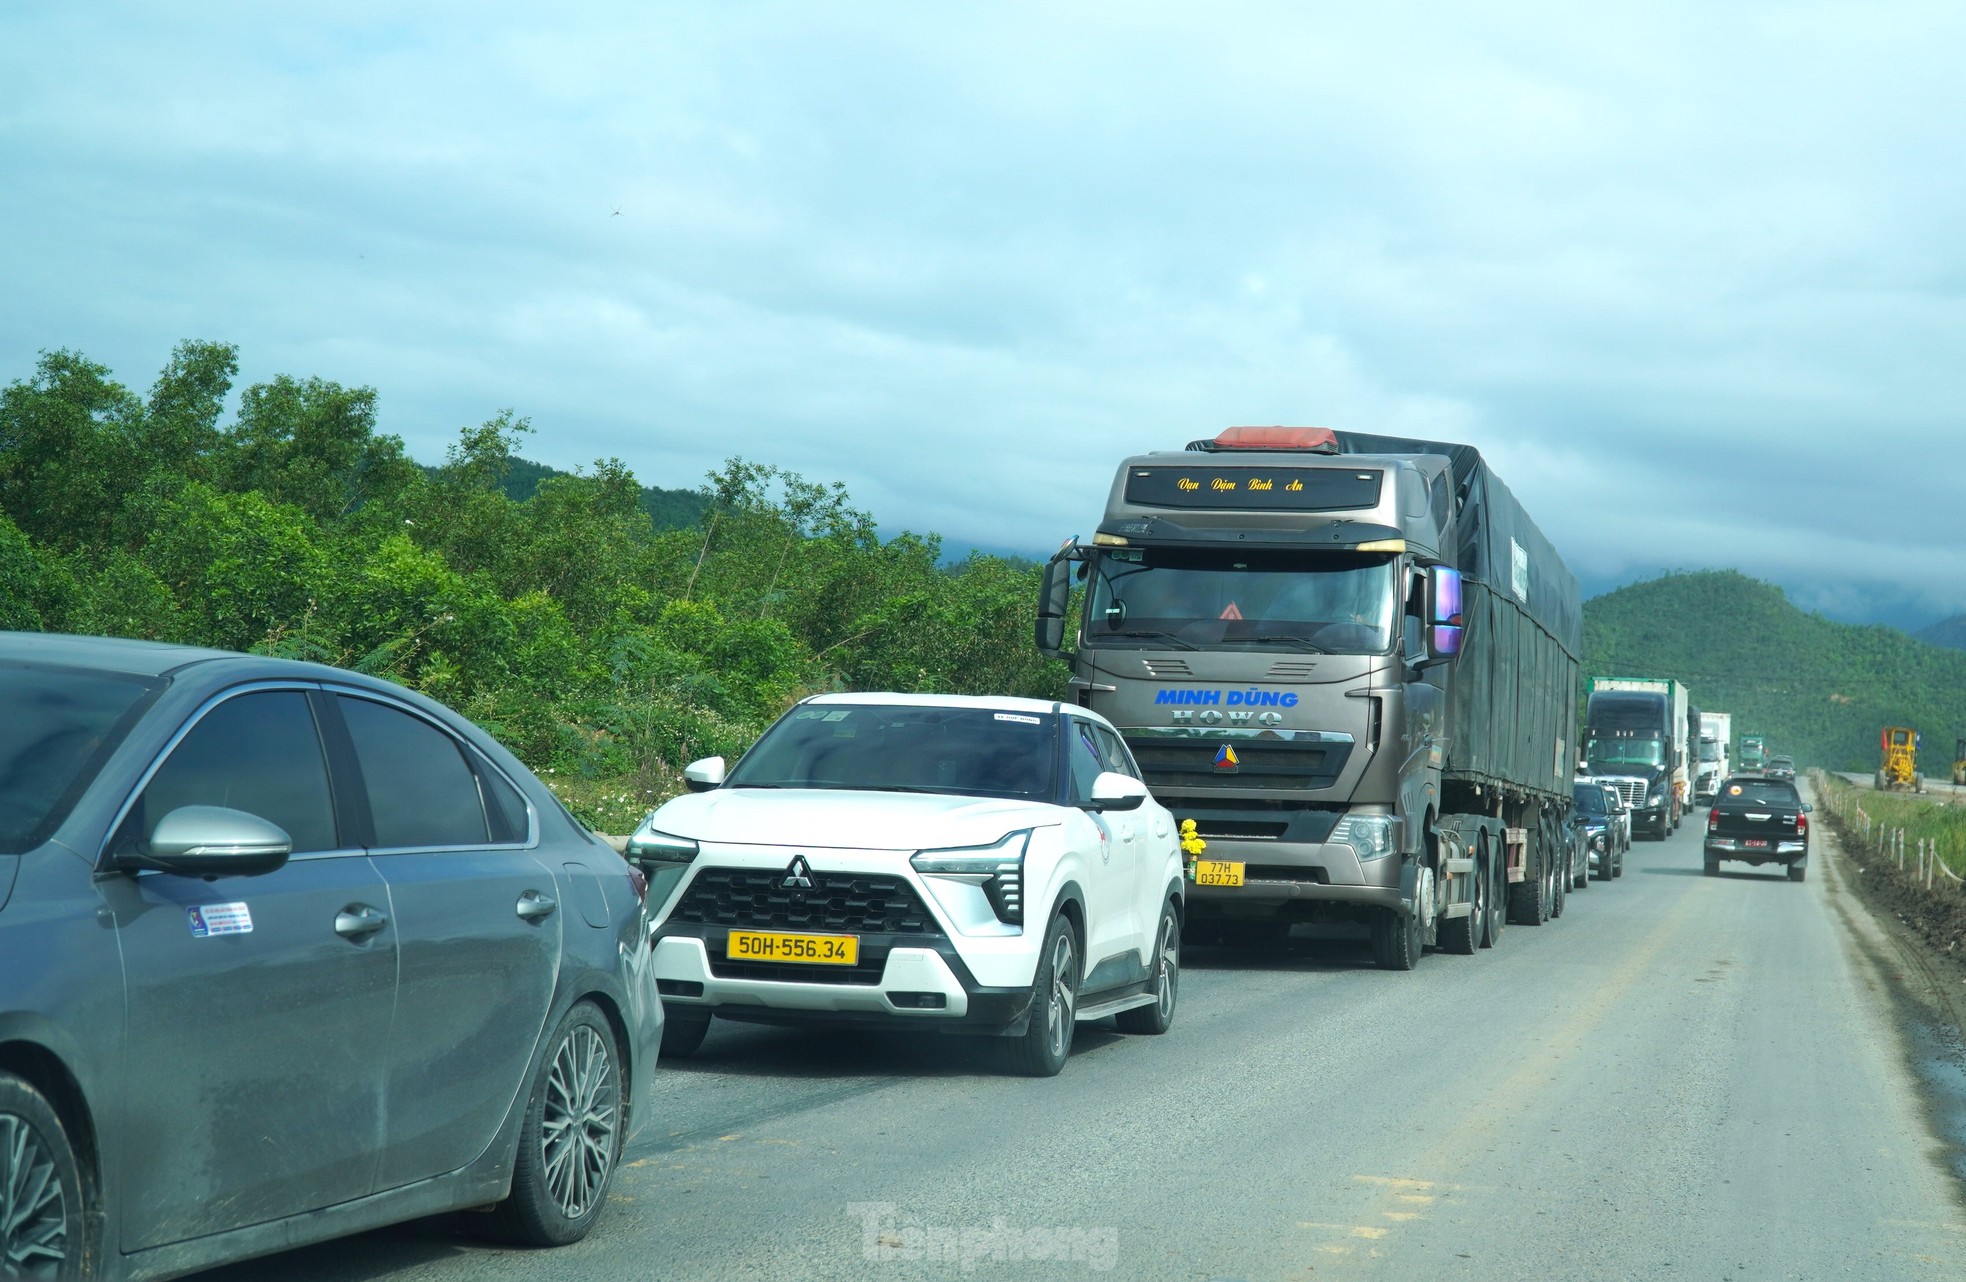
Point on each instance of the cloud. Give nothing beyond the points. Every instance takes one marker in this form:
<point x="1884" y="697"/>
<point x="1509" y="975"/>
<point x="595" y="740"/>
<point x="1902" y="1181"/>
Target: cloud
<point x="1690" y="275"/>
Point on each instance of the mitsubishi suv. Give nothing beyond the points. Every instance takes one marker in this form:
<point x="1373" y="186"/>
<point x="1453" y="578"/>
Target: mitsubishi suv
<point x="982" y="865"/>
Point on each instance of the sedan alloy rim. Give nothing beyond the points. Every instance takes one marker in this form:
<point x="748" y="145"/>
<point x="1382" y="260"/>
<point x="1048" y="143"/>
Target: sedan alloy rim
<point x="33" y="1211"/>
<point x="577" y="1127"/>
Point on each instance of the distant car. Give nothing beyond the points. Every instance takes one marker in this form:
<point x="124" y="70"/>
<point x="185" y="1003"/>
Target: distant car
<point x="289" y="953"/>
<point x="1607" y="839"/>
<point x="1781" y="767"/>
<point x="920" y="861"/>
<point x="1758" y="819"/>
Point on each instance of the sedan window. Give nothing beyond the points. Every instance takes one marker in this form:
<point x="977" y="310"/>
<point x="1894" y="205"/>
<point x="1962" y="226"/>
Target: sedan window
<point x="971" y="751"/>
<point x="59" y="728"/>
<point x="259" y="753"/>
<point x="421" y="790"/>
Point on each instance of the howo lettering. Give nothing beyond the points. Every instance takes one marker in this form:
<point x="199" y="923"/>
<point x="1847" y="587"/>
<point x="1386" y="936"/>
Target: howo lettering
<point x="1410" y="640"/>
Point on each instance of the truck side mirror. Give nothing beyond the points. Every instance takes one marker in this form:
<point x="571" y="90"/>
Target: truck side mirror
<point x="1446" y="620"/>
<point x="1055" y="599"/>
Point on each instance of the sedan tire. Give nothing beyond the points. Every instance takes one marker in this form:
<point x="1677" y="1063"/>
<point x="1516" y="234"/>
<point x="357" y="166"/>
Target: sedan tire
<point x="570" y="1141"/>
<point x="44" y="1216"/>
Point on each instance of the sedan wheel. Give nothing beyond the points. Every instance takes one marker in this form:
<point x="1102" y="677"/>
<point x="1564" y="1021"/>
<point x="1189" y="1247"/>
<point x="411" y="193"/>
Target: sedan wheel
<point x="1042" y="1050"/>
<point x="1159" y="1017"/>
<point x="571" y="1137"/>
<point x="41" y="1211"/>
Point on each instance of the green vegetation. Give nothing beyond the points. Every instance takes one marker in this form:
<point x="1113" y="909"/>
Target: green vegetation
<point x="607" y="636"/>
<point x="1819" y="691"/>
<point x="1921" y="818"/>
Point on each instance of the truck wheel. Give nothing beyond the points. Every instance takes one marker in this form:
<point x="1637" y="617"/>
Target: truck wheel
<point x="1798" y="872"/>
<point x="1713" y="866"/>
<point x="1562" y="891"/>
<point x="1498" y="903"/>
<point x="1529" y="899"/>
<point x="44" y="1215"/>
<point x="1047" y="1043"/>
<point x="1396" y="939"/>
<point x="1462" y="935"/>
<point x="1166" y="961"/>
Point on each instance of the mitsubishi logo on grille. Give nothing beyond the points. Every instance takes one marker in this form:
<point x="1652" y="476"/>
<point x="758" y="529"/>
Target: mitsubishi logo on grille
<point x="798" y="875"/>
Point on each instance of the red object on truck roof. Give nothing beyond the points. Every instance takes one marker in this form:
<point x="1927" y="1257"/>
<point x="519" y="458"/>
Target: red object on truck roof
<point x="1321" y="439"/>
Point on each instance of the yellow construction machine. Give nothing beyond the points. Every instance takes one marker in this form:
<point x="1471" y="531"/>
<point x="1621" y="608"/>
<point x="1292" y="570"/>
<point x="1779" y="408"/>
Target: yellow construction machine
<point x="1900" y="769"/>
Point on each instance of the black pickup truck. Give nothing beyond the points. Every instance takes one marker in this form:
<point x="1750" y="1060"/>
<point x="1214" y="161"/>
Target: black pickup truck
<point x="1758" y="819"/>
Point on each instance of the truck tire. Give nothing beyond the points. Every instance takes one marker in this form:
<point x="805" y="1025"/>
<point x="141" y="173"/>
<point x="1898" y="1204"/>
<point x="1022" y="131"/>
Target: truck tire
<point x="1396" y="939"/>
<point x="1462" y="935"/>
<point x="1529" y="899"/>
<point x="1498" y="901"/>
<point x="1562" y="880"/>
<point x="1712" y="867"/>
<point x="1798" y="871"/>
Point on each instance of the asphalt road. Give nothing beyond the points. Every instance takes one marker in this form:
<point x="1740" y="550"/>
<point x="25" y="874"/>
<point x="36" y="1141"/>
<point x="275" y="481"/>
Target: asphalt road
<point x="1685" y="1077"/>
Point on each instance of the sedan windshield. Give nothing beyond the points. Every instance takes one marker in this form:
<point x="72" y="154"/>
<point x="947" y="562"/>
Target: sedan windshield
<point x="59" y="728"/>
<point x="1338" y="603"/>
<point x="977" y="752"/>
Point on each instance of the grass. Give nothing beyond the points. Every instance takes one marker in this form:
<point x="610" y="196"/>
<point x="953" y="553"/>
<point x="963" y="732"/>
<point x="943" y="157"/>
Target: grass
<point x="1931" y="817"/>
<point x="616" y="805"/>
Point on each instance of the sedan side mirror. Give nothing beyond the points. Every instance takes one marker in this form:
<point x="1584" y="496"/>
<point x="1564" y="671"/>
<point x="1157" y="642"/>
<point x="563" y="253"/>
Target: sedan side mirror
<point x="702" y="776"/>
<point x="1114" y="791"/>
<point x="213" y="841"/>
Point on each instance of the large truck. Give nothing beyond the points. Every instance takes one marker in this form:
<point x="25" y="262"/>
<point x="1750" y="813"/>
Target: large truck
<point x="1636" y="732"/>
<point x="1350" y="662"/>
<point x="1754" y="751"/>
<point x="1716" y="754"/>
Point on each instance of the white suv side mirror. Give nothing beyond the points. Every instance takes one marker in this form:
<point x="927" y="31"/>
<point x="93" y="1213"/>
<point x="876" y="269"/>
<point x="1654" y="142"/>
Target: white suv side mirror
<point x="1113" y="791"/>
<point x="701" y="776"/>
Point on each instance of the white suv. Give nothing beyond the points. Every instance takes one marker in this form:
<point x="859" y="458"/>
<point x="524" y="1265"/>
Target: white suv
<point x="976" y="864"/>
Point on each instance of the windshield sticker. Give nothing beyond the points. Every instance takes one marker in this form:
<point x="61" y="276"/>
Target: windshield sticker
<point x="219" y="919"/>
<point x="1019" y="718"/>
<point x="1734" y="791"/>
<point x="1231" y="612"/>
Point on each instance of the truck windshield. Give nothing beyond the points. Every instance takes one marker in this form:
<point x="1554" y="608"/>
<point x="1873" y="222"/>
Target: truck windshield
<point x="1335" y="603"/>
<point x="1709" y="751"/>
<point x="1625" y="752"/>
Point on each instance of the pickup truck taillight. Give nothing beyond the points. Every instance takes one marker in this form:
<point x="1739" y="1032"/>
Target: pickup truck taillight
<point x="1802" y="825"/>
<point x="1713" y="819"/>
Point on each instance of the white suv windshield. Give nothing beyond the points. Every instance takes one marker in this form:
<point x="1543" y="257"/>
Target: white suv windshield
<point x="876" y="747"/>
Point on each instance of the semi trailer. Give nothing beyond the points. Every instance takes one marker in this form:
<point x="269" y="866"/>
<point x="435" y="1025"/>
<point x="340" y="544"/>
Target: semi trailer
<point x="1350" y="661"/>
<point x="1636" y="732"/>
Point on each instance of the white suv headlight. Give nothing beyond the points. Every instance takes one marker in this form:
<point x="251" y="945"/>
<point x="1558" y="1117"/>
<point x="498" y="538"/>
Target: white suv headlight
<point x="997" y="868"/>
<point x="1370" y="836"/>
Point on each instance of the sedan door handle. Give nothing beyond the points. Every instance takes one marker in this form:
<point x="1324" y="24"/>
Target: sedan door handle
<point x="533" y="906"/>
<point x="358" y="920"/>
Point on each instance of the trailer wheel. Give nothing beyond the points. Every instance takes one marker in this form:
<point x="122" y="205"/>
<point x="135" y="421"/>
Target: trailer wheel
<point x="1497" y="917"/>
<point x="1462" y="935"/>
<point x="1529" y="899"/>
<point x="1562" y="891"/>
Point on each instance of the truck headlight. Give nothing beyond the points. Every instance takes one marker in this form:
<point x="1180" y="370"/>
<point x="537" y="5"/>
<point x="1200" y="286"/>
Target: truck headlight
<point x="997" y="868"/>
<point x="1369" y="836"/>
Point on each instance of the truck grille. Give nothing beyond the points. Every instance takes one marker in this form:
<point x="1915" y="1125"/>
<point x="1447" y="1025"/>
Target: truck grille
<point x="757" y="898"/>
<point x="1188" y="765"/>
<point x="1630" y="791"/>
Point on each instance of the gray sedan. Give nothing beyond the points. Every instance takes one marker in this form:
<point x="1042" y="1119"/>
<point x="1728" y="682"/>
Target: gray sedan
<point x="287" y="953"/>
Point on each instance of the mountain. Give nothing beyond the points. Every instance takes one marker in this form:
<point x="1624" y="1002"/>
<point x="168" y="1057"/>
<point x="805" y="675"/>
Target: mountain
<point x="667" y="509"/>
<point x="1819" y="690"/>
<point x="1950" y="633"/>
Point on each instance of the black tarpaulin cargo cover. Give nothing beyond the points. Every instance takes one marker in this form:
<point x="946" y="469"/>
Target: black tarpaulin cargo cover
<point x="1512" y="695"/>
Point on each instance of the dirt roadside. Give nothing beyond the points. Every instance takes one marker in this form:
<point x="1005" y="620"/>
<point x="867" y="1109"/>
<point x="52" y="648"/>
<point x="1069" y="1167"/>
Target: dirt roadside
<point x="1915" y="942"/>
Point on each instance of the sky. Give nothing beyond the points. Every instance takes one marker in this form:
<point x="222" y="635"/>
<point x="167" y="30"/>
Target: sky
<point x="1690" y="274"/>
